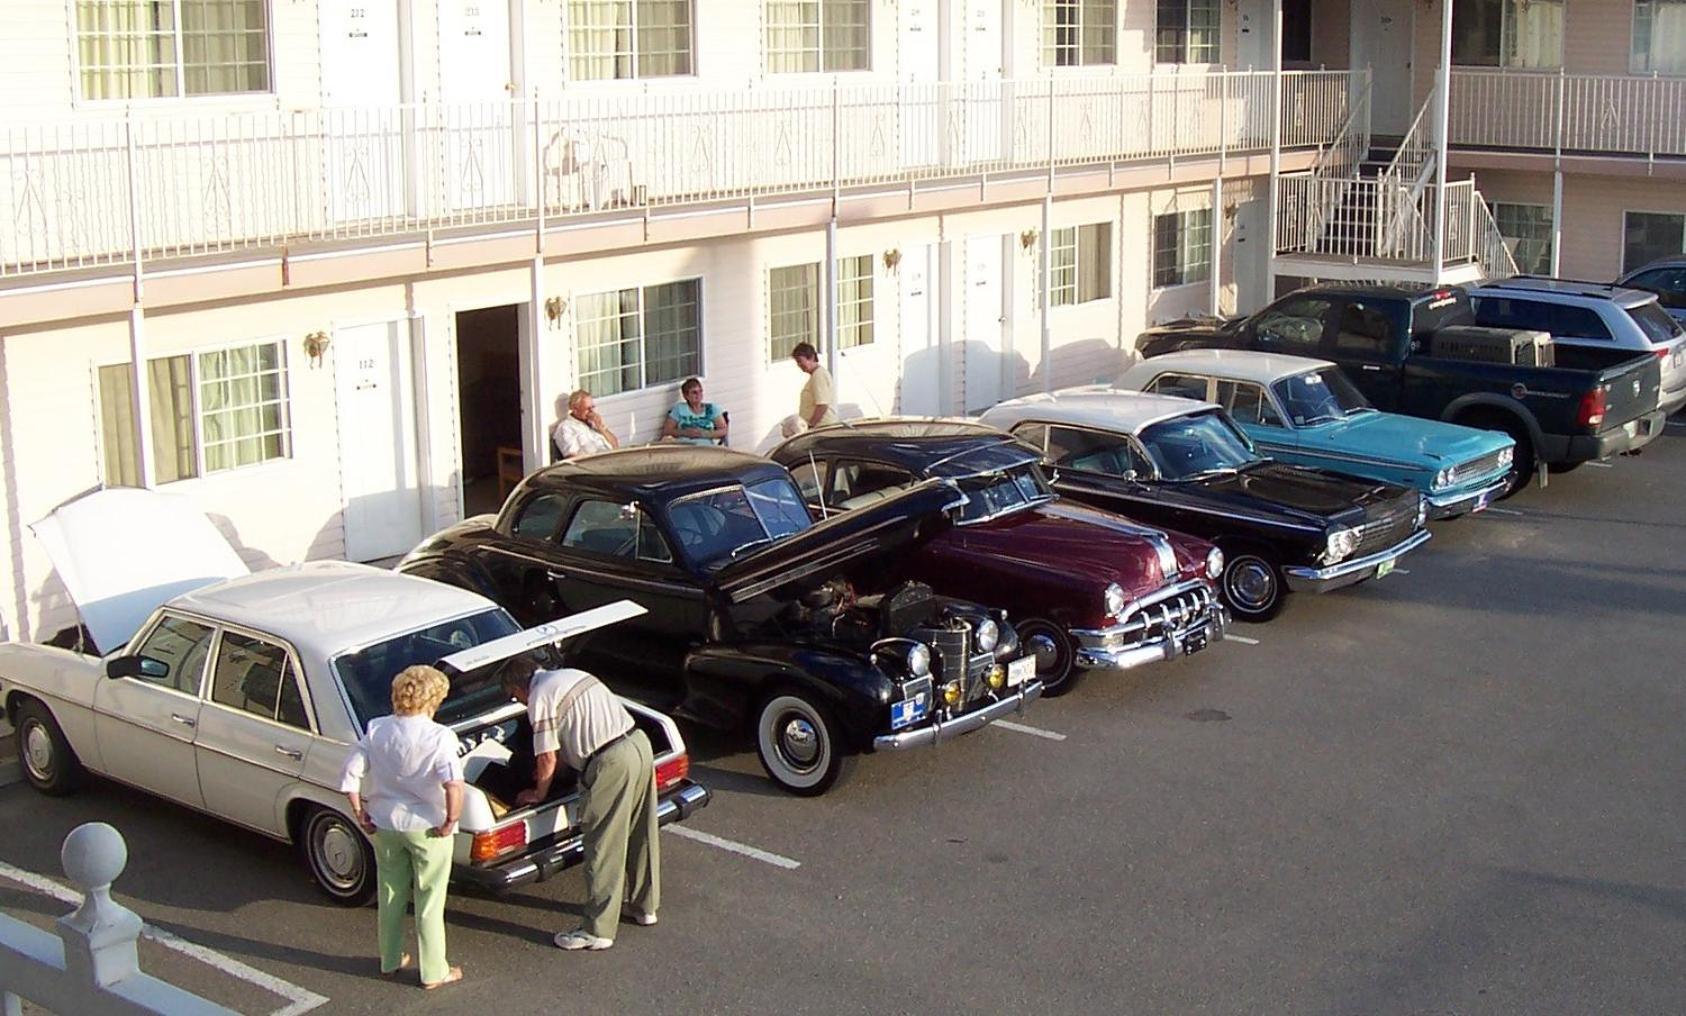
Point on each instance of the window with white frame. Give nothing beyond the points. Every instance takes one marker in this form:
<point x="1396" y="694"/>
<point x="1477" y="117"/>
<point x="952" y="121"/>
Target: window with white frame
<point x="610" y="39"/>
<point x="1079" y="32"/>
<point x="854" y="301"/>
<point x="627" y="339"/>
<point x="153" y="49"/>
<point x="210" y="412"/>
<point x="1186" y="32"/>
<point x="1659" y="37"/>
<point x="1648" y="236"/>
<point x="1527" y="232"/>
<point x="1507" y="33"/>
<point x="1080" y="261"/>
<point x="819" y="35"/>
<point x="793" y="309"/>
<point x="1182" y="247"/>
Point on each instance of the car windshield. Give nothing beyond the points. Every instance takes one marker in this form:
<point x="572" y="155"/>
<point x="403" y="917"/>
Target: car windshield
<point x="367" y="673"/>
<point x="721" y="524"/>
<point x="1319" y="396"/>
<point x="1203" y="444"/>
<point x="995" y="494"/>
<point x="1655" y="322"/>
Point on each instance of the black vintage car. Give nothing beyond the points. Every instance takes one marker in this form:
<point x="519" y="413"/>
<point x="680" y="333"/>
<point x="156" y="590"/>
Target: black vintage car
<point x="757" y="618"/>
<point x="1186" y="465"/>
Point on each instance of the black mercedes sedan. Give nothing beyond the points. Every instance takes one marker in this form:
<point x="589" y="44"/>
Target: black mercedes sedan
<point x="757" y="618"/>
<point x="1186" y="465"/>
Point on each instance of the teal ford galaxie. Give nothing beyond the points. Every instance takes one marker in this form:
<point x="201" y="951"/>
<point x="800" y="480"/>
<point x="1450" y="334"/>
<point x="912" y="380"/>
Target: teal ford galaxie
<point x="1306" y="412"/>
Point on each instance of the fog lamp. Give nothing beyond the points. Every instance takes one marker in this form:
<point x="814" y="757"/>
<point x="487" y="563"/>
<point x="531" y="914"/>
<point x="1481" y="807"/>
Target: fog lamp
<point x="997" y="676"/>
<point x="951" y="693"/>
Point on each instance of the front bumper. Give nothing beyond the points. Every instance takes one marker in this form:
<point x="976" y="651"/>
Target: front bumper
<point x="1093" y="651"/>
<point x="547" y="858"/>
<point x="939" y="731"/>
<point x="1464" y="501"/>
<point x="1321" y="580"/>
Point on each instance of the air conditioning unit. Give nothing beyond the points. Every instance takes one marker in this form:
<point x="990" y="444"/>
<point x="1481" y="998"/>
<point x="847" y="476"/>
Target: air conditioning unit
<point x="1494" y="345"/>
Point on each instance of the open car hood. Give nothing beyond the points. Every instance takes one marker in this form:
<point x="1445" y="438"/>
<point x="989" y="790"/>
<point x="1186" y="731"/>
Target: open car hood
<point x="123" y="552"/>
<point x="844" y="539"/>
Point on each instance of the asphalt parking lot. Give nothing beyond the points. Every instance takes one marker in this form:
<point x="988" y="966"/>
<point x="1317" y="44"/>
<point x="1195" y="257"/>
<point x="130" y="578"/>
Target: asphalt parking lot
<point x="1455" y="790"/>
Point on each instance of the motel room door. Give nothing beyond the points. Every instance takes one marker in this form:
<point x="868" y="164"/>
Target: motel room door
<point x="363" y="147"/>
<point x="373" y="382"/>
<point x="986" y="319"/>
<point x="481" y="140"/>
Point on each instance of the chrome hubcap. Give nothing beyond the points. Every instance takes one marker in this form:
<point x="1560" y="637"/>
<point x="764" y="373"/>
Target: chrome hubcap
<point x="341" y="855"/>
<point x="38" y="751"/>
<point x="799" y="741"/>
<point x="1046" y="652"/>
<point x="1252" y="584"/>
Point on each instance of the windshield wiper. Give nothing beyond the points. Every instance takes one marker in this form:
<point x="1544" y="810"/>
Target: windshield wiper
<point x="1214" y="471"/>
<point x="745" y="546"/>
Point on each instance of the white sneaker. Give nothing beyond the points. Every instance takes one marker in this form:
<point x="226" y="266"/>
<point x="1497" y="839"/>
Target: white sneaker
<point x="642" y="918"/>
<point x="581" y="939"/>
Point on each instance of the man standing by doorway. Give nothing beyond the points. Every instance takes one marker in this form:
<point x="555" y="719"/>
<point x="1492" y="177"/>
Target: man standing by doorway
<point x="582" y="431"/>
<point x="573" y="714"/>
<point x="816" y="405"/>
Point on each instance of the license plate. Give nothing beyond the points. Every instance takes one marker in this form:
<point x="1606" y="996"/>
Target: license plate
<point x="1480" y="503"/>
<point x="1383" y="568"/>
<point x="909" y="711"/>
<point x="1196" y="641"/>
<point x="1020" y="671"/>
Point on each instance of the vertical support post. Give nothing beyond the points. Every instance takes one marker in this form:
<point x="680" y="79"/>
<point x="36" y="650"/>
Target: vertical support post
<point x="140" y="393"/>
<point x="831" y="351"/>
<point x="535" y="442"/>
<point x="1469" y="237"/>
<point x="1273" y="200"/>
<point x="1215" y="283"/>
<point x="1045" y="259"/>
<point x="1442" y="120"/>
<point x="1557" y="222"/>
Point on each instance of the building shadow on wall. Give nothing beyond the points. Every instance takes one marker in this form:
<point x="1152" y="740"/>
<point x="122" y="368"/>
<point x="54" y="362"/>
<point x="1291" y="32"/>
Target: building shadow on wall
<point x="846" y="411"/>
<point x="1086" y="361"/>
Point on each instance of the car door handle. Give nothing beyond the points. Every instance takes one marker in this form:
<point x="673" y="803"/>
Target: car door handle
<point x="186" y="721"/>
<point x="292" y="753"/>
<point x="1369" y="366"/>
<point x="556" y="576"/>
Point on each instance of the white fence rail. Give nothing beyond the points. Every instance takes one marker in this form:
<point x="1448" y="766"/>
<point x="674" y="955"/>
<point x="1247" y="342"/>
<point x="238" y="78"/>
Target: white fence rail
<point x="1552" y="111"/>
<point x="101" y="191"/>
<point x="1378" y="220"/>
<point x="91" y="965"/>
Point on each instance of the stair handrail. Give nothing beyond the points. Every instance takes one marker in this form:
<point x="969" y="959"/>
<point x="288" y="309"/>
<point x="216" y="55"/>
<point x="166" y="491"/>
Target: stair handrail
<point x="1493" y="254"/>
<point x="1415" y="154"/>
<point x="1335" y="170"/>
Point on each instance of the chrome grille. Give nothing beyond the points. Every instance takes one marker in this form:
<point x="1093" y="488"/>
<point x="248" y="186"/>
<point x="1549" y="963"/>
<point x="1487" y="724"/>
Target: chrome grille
<point x="1464" y="472"/>
<point x="1390" y="526"/>
<point x="950" y="652"/>
<point x="1173" y="610"/>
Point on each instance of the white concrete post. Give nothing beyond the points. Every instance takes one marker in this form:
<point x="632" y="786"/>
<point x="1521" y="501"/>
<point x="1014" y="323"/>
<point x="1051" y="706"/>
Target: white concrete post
<point x="140" y="393"/>
<point x="1215" y="283"/>
<point x="1442" y="121"/>
<point x="100" y="935"/>
<point x="1273" y="200"/>
<point x="1557" y="222"/>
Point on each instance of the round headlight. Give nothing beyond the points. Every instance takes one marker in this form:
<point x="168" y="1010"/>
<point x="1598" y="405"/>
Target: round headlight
<point x="1214" y="563"/>
<point x="919" y="660"/>
<point x="951" y="693"/>
<point x="1443" y="479"/>
<point x="1340" y="544"/>
<point x="989" y="633"/>
<point x="1115" y="599"/>
<point x="1507" y="455"/>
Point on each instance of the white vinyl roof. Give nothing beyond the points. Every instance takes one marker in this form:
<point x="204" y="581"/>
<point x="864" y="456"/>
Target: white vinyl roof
<point x="1231" y="364"/>
<point x="1096" y="406"/>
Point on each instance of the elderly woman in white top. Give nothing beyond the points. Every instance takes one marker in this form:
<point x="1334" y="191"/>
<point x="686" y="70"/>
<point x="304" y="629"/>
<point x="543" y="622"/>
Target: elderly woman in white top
<point x="405" y="784"/>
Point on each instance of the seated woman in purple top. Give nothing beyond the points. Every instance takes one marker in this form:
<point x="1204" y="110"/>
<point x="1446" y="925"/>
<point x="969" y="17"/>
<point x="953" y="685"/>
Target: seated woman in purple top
<point x="694" y="421"/>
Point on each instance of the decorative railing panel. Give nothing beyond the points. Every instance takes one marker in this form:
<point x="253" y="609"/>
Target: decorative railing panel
<point x="1549" y="111"/>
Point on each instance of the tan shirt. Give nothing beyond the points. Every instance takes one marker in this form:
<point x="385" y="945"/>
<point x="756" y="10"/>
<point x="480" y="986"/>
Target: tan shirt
<point x="818" y="392"/>
<point x="593" y="719"/>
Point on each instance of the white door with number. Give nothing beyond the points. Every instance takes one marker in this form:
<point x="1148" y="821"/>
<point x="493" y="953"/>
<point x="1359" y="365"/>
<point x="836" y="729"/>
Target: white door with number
<point x="363" y="147"/>
<point x="989" y="110"/>
<point x="377" y="430"/>
<point x="921" y="392"/>
<point x="986" y="323"/>
<point x="1381" y="36"/>
<point x="479" y="139"/>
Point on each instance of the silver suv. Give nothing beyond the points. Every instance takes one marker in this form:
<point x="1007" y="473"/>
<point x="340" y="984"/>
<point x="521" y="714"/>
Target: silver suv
<point x="1593" y="314"/>
<point x="1665" y="277"/>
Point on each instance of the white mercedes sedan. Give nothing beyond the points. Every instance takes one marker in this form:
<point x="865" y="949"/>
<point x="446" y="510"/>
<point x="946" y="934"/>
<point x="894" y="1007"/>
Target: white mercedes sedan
<point x="240" y="694"/>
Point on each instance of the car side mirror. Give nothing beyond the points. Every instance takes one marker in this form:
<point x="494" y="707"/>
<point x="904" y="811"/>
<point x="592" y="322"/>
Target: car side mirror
<point x="137" y="666"/>
<point x="1053" y="477"/>
<point x="1128" y="474"/>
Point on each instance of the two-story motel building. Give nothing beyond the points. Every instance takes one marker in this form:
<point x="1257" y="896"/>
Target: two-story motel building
<point x="363" y="251"/>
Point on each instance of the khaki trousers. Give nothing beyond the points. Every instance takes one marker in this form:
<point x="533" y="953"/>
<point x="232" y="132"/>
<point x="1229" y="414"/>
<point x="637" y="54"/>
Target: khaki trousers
<point x="618" y="820"/>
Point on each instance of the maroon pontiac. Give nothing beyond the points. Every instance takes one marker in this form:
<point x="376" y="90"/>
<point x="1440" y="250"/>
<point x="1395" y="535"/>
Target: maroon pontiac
<point x="1084" y="588"/>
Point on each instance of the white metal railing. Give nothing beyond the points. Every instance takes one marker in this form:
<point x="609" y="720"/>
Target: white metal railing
<point x="1492" y="251"/>
<point x="105" y="190"/>
<point x="1336" y="164"/>
<point x="1414" y="160"/>
<point x="1379" y="220"/>
<point x="1561" y="112"/>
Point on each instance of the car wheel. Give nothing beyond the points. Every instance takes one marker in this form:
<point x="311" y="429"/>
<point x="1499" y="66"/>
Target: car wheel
<point x="339" y="857"/>
<point x="1056" y="657"/>
<point x="49" y="763"/>
<point x="1252" y="586"/>
<point x="798" y="742"/>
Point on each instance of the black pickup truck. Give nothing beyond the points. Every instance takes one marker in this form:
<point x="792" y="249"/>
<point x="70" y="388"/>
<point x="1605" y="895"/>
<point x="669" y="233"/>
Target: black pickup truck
<point x="1418" y="351"/>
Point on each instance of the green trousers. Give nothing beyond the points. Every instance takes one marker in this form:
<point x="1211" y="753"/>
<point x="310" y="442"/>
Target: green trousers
<point x="618" y="820"/>
<point x="413" y="866"/>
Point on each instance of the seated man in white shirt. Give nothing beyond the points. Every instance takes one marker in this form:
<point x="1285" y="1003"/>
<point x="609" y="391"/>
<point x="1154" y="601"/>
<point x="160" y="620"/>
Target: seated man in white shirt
<point x="582" y="431"/>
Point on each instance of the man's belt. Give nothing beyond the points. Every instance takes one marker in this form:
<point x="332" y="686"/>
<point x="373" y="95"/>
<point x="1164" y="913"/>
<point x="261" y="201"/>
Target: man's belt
<point x="606" y="745"/>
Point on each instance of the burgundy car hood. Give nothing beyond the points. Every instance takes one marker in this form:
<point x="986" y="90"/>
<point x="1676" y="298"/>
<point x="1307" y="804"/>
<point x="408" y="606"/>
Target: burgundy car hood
<point x="1078" y="540"/>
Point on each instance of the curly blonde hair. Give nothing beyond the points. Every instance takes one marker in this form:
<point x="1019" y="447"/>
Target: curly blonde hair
<point x="418" y="690"/>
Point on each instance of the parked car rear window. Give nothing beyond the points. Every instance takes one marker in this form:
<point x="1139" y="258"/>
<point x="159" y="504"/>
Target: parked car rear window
<point x="1655" y="322"/>
<point x="999" y="493"/>
<point x="367" y="673"/>
<point x="1319" y="396"/>
<point x="712" y="527"/>
<point x="1441" y="309"/>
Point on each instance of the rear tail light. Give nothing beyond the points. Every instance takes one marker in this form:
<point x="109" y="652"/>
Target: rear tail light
<point x="672" y="772"/>
<point x="1662" y="352"/>
<point x="1593" y="405"/>
<point x="488" y="846"/>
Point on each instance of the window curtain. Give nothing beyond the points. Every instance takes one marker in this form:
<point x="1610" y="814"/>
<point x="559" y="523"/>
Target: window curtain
<point x="664" y="38"/>
<point x="170" y="390"/>
<point x="1659" y="44"/>
<point x="224" y="46"/>
<point x="609" y="337"/>
<point x="600" y="39"/>
<point x="793" y="36"/>
<point x="1062" y="264"/>
<point x="793" y="308"/>
<point x="1094" y="263"/>
<point x="672" y="336"/>
<point x="845" y="35"/>
<point x="126" y="48"/>
<point x="1533" y="33"/>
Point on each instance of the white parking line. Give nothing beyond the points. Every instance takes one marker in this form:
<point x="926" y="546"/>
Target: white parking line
<point x="1501" y="511"/>
<point x="1602" y="465"/>
<point x="1402" y="571"/>
<point x="299" y="999"/>
<point x="767" y="856"/>
<point x="1244" y="640"/>
<point x="1032" y="731"/>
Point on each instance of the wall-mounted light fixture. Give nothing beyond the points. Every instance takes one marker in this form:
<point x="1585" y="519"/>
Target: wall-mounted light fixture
<point x="1027" y="239"/>
<point x="892" y="258"/>
<point x="553" y="309"/>
<point x="316" y="344"/>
